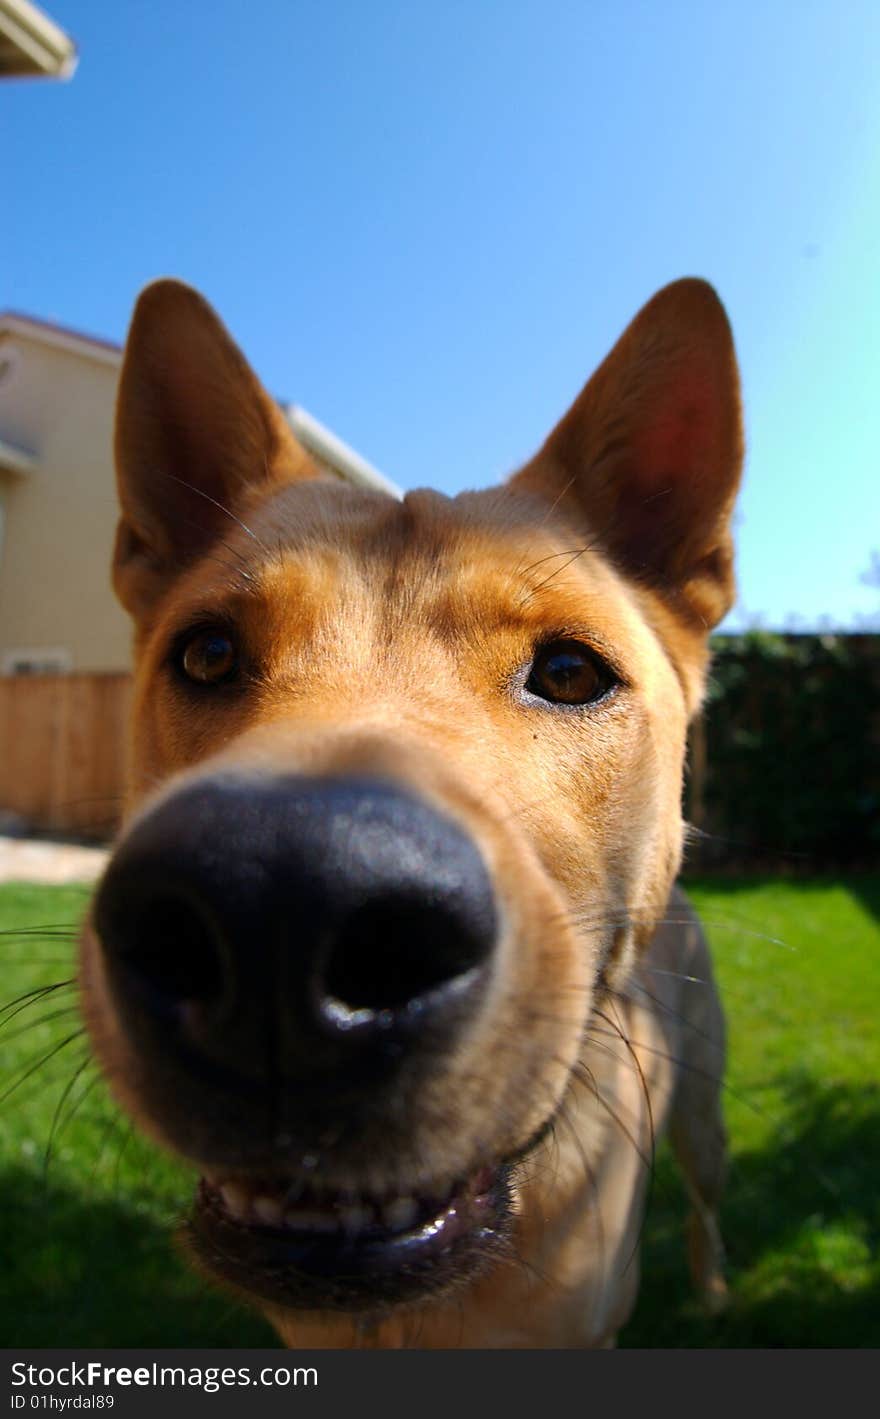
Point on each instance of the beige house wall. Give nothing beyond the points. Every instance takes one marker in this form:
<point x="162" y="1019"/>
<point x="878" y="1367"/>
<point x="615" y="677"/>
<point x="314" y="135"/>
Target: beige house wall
<point x="59" y="517"/>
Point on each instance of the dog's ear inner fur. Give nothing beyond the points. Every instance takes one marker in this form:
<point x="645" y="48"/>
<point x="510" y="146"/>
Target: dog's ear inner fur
<point x="195" y="434"/>
<point x="648" y="458"/>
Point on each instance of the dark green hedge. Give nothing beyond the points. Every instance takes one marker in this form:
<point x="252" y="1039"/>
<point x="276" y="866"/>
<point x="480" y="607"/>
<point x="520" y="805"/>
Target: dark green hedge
<point x="792" y="727"/>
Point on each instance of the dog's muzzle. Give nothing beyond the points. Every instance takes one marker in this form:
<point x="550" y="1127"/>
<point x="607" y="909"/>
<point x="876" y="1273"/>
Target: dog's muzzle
<point x="289" y="960"/>
<point x="300" y="935"/>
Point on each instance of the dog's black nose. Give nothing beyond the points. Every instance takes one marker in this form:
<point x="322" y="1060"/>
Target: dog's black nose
<point x="302" y="930"/>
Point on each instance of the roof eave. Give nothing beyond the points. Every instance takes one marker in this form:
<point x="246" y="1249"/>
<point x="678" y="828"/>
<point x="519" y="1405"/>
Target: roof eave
<point x="41" y="48"/>
<point x="325" y="445"/>
<point x="29" y="328"/>
<point x="16" y="460"/>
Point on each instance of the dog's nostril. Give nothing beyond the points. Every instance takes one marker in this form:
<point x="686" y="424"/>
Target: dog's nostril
<point x="390" y="952"/>
<point x="171" y="949"/>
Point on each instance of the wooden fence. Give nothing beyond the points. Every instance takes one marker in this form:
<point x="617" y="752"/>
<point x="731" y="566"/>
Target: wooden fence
<point x="62" y="750"/>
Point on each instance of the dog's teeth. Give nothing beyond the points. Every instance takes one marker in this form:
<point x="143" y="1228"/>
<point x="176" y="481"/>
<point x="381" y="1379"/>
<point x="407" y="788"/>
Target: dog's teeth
<point x="400" y="1214"/>
<point x="304" y="1220"/>
<point x="269" y="1211"/>
<point x="235" y="1200"/>
<point x="355" y="1218"/>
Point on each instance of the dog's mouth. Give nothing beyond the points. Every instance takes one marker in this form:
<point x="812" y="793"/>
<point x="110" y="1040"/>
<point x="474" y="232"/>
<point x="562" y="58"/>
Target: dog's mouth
<point x="306" y="1248"/>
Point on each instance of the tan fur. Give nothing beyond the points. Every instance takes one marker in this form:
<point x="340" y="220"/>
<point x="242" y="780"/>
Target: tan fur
<point x="387" y="637"/>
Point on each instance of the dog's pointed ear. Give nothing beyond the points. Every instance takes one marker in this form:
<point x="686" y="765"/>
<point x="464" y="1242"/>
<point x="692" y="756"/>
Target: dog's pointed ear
<point x="649" y="456"/>
<point x="196" y="434"/>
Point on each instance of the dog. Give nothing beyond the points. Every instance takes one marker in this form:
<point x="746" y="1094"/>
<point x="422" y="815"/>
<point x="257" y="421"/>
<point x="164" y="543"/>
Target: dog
<point x="389" y="946"/>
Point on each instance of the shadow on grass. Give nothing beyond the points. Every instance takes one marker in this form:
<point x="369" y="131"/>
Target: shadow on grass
<point x="801" y="1222"/>
<point x="92" y="1273"/>
<point x="867" y="890"/>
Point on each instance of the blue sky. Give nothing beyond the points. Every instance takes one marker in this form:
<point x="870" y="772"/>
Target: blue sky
<point x="426" y="222"/>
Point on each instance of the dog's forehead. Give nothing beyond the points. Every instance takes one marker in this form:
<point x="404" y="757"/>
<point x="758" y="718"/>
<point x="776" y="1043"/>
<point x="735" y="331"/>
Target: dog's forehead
<point x="493" y="543"/>
<point x="359" y="520"/>
<point x="318" y="555"/>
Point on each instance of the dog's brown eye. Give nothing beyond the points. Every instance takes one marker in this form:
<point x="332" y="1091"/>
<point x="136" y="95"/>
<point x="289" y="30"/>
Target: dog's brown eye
<point x="566" y="673"/>
<point x="209" y="657"/>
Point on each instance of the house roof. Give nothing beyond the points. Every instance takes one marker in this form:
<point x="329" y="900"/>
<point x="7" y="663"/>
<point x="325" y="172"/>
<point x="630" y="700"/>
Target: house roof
<point x="312" y="434"/>
<point x="32" y="44"/>
<point x="13" y="322"/>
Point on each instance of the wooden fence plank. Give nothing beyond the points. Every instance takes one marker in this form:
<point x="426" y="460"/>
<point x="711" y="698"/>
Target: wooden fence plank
<point x="62" y="750"/>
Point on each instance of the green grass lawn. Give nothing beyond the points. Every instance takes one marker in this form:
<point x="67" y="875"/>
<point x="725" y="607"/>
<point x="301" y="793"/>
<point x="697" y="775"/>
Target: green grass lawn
<point x="88" y="1208"/>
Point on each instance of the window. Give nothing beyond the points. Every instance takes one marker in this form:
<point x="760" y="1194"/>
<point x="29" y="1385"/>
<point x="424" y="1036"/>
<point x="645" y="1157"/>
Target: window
<point x="52" y="661"/>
